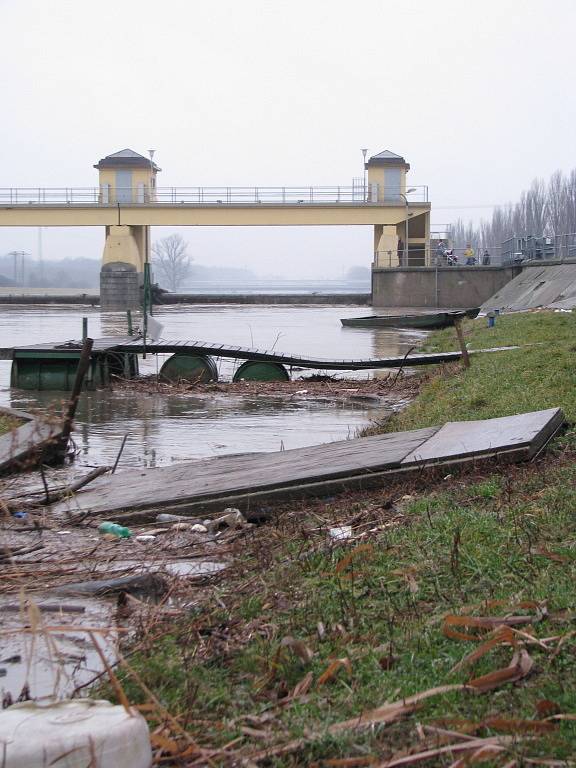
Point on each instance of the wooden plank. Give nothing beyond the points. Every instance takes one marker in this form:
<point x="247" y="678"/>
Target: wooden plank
<point x="350" y="463"/>
<point x="256" y="505"/>
<point x="222" y="476"/>
<point x="461" y="439"/>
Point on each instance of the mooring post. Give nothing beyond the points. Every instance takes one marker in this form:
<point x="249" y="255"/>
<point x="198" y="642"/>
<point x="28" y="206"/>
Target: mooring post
<point x="129" y="318"/>
<point x="460" y="334"/>
<point x="84" y="329"/>
<point x="83" y="365"/>
<point x="147" y="303"/>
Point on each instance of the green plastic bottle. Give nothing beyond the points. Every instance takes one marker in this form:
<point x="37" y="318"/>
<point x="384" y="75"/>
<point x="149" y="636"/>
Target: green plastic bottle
<point x="115" y="529"/>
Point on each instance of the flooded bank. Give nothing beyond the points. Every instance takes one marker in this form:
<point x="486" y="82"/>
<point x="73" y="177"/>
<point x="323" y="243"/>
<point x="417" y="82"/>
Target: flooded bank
<point x="76" y="594"/>
<point x="175" y="427"/>
<point x="46" y="648"/>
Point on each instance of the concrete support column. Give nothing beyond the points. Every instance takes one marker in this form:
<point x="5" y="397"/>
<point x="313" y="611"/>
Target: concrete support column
<point x="385" y="246"/>
<point x="122" y="267"/>
<point x="119" y="286"/>
<point x="125" y="244"/>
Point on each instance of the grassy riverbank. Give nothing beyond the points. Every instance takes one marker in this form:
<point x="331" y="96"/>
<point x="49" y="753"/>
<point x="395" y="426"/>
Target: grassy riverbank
<point x="541" y="374"/>
<point x="305" y="633"/>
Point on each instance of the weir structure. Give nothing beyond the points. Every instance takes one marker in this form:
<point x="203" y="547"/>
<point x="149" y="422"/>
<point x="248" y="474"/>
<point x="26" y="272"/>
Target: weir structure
<point x="127" y="202"/>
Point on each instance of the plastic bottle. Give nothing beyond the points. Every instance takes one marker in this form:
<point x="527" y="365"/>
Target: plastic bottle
<point x="115" y="529"/>
<point x="166" y="518"/>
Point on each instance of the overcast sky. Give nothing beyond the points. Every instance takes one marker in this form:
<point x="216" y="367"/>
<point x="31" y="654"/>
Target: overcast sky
<point x="478" y="97"/>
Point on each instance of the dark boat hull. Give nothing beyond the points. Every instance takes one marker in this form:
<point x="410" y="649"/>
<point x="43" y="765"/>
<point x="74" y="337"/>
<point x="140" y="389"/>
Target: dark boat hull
<point x="424" y="320"/>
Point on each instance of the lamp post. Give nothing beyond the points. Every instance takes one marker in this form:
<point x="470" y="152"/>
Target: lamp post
<point x="403" y="196"/>
<point x="151" y="153"/>
<point x="364" y="151"/>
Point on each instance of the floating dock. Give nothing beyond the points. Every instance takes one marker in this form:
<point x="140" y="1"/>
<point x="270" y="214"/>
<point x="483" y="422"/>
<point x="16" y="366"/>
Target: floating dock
<point x="53" y="366"/>
<point x="253" y="481"/>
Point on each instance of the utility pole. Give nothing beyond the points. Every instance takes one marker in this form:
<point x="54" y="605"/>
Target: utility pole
<point x="19" y="272"/>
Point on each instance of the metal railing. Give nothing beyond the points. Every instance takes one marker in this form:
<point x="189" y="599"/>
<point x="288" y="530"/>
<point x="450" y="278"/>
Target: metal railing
<point x="417" y="256"/>
<point x="103" y="196"/>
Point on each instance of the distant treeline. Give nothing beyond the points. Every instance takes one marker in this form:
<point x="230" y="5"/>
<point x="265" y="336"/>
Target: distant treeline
<point x="24" y="271"/>
<point x="545" y="209"/>
<point x="64" y="273"/>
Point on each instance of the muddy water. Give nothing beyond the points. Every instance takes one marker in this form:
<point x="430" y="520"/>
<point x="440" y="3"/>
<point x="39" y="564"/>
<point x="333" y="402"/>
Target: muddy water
<point x="172" y="428"/>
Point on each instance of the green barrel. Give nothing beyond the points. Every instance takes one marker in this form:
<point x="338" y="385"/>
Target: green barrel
<point x="56" y="370"/>
<point x="197" y="369"/>
<point x="255" y="370"/>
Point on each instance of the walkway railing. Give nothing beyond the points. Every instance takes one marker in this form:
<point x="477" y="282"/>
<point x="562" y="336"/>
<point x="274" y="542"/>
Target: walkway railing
<point x="418" y="256"/>
<point x="140" y="195"/>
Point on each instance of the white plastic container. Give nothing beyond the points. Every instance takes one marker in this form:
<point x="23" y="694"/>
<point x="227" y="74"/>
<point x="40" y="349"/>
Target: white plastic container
<point x="73" y="734"/>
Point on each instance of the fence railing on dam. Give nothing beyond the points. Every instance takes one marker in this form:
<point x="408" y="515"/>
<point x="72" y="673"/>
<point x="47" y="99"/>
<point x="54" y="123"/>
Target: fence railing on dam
<point x="258" y="195"/>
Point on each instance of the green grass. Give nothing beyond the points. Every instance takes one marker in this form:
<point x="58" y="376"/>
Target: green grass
<point x="470" y="538"/>
<point x="542" y="374"/>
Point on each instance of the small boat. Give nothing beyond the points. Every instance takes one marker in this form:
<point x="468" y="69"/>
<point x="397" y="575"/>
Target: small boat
<point x="422" y="320"/>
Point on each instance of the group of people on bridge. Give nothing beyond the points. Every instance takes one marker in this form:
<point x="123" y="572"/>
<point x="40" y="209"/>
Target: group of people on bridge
<point x="447" y="257"/>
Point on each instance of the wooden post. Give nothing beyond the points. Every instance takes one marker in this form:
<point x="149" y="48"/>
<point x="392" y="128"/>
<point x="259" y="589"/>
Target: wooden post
<point x="83" y="365"/>
<point x="129" y="317"/>
<point x="84" y="329"/>
<point x="460" y="334"/>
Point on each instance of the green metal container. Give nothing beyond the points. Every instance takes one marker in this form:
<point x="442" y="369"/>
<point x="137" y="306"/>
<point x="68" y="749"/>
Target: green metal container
<point x="255" y="370"/>
<point x="196" y="369"/>
<point x="56" y="370"/>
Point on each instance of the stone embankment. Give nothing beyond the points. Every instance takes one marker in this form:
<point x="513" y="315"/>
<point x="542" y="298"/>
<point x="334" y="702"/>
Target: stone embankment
<point x="552" y="286"/>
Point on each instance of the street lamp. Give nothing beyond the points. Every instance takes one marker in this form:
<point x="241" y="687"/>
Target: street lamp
<point x="151" y="153"/>
<point x="148" y="243"/>
<point x="364" y="151"/>
<point x="405" y="255"/>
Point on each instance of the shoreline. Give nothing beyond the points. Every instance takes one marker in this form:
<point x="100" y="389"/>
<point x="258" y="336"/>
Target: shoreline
<point x="314" y="630"/>
<point x="305" y="629"/>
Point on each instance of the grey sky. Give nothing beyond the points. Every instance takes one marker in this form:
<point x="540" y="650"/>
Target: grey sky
<point x="477" y="96"/>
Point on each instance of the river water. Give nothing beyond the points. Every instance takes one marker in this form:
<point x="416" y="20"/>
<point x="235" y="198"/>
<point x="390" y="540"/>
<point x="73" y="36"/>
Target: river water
<point x="163" y="429"/>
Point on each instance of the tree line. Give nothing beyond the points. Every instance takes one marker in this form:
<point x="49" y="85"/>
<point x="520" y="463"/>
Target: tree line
<point x="545" y="209"/>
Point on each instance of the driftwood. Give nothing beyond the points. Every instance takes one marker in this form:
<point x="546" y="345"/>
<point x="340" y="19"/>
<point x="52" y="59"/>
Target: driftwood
<point x="46" y="608"/>
<point x="83" y="365"/>
<point x="35" y="504"/>
<point x="146" y="584"/>
<point x="7" y="553"/>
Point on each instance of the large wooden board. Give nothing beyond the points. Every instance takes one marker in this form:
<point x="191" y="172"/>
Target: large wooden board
<point x="223" y="476"/>
<point x="463" y="439"/>
<point x="348" y="463"/>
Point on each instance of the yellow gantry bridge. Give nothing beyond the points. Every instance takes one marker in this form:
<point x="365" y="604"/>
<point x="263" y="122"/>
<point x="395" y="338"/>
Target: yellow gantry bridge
<point x="127" y="201"/>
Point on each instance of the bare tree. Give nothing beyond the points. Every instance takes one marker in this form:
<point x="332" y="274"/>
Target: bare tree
<point x="544" y="209"/>
<point x="172" y="261"/>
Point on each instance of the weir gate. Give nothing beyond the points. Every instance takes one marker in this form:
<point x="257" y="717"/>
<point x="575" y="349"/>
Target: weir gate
<point x="127" y="201"/>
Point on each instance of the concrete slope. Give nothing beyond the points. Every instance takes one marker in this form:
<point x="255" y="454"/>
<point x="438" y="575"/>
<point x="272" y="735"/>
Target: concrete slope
<point x="552" y="286"/>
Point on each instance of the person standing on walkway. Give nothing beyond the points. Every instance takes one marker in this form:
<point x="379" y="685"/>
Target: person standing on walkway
<point x="469" y="256"/>
<point x="485" y="258"/>
<point x="441" y="252"/>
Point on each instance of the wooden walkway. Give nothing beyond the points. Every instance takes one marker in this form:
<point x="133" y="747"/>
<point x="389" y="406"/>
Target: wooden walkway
<point x="248" y="481"/>
<point x="137" y="346"/>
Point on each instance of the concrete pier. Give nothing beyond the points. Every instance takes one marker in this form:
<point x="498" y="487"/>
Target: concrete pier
<point x="119" y="286"/>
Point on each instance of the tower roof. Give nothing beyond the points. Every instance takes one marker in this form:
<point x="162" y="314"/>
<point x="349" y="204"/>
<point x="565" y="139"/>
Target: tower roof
<point x="387" y="158"/>
<point x="126" y="158"/>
